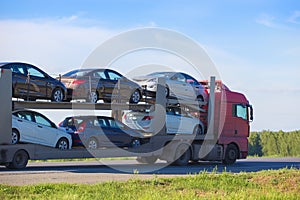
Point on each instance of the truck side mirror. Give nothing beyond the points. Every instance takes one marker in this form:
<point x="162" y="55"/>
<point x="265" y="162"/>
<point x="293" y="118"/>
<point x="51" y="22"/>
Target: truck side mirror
<point x="251" y="113"/>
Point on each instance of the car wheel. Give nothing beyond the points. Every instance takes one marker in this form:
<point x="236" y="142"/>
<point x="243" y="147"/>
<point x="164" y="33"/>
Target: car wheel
<point x="198" y="130"/>
<point x="135" y="143"/>
<point x="135" y="97"/>
<point x="200" y="98"/>
<point x="15" y="136"/>
<point x="57" y="95"/>
<point x="92" y="143"/>
<point x="19" y="160"/>
<point x="93" y="97"/>
<point x="62" y="144"/>
<point x="167" y="91"/>
<point x="231" y="154"/>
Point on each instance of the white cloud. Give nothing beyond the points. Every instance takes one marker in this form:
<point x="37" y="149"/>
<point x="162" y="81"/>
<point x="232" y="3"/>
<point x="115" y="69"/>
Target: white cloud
<point x="56" y="45"/>
<point x="295" y="17"/>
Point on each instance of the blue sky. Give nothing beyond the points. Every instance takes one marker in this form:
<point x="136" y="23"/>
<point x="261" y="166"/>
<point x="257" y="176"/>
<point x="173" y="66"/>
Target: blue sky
<point x="255" y="44"/>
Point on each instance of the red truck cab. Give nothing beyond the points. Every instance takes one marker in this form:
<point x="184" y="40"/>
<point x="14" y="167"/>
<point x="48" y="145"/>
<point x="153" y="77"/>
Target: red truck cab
<point x="232" y="118"/>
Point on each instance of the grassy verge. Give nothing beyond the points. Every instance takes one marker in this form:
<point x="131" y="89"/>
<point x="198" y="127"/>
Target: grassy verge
<point x="278" y="184"/>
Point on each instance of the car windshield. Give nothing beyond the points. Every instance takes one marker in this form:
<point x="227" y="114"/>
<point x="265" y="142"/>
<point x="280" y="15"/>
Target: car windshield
<point x="161" y="74"/>
<point x="76" y="73"/>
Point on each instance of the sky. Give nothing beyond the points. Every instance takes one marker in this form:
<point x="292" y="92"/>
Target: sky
<point x="254" y="44"/>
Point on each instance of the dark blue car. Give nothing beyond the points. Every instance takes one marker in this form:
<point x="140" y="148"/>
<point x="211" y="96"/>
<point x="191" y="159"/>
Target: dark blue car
<point x="100" y="131"/>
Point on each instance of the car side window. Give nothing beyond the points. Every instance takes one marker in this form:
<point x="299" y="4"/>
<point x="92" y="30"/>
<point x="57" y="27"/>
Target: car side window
<point x="99" y="75"/>
<point x="113" y="75"/>
<point x="102" y="123"/>
<point x="178" y="77"/>
<point x="191" y="80"/>
<point x="115" y="124"/>
<point x="17" y="69"/>
<point x="42" y="120"/>
<point x="24" y="115"/>
<point x="34" y="72"/>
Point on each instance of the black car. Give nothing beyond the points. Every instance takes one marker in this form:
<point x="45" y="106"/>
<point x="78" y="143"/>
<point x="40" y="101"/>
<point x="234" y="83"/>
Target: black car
<point x="31" y="83"/>
<point x="101" y="131"/>
<point x="105" y="84"/>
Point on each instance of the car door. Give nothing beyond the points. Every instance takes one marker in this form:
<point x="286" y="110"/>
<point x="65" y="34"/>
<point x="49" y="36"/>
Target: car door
<point x="172" y="121"/>
<point x="111" y="86"/>
<point x="177" y="85"/>
<point x="187" y="124"/>
<point x="19" y="80"/>
<point x="193" y="87"/>
<point x="39" y="82"/>
<point x="26" y="126"/>
<point x="46" y="133"/>
<point x="117" y="133"/>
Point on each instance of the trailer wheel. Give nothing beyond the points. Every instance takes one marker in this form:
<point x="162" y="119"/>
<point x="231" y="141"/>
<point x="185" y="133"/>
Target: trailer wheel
<point x="231" y="154"/>
<point x="147" y="159"/>
<point x="19" y="161"/>
<point x="183" y="155"/>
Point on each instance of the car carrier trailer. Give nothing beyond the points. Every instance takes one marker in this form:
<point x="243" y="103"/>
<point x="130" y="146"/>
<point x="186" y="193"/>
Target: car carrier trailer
<point x="225" y="140"/>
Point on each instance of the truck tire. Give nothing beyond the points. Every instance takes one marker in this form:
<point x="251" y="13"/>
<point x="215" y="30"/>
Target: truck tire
<point x="147" y="159"/>
<point x="183" y="155"/>
<point x="19" y="160"/>
<point x="231" y="154"/>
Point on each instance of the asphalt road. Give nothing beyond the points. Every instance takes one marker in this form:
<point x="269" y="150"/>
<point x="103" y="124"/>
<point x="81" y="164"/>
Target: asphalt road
<point x="122" y="170"/>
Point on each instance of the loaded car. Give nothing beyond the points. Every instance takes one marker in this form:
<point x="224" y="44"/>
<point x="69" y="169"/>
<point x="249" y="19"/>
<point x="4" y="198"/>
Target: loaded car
<point x="31" y="83"/>
<point x="101" y="131"/>
<point x="105" y="84"/>
<point x="178" y="121"/>
<point x="32" y="127"/>
<point x="178" y="84"/>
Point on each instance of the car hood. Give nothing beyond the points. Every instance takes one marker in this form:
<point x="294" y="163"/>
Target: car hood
<point x="143" y="78"/>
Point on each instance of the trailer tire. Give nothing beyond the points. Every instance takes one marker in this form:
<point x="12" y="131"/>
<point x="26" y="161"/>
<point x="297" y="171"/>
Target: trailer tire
<point x="182" y="156"/>
<point x="19" y="160"/>
<point x="231" y="154"/>
<point x="147" y="159"/>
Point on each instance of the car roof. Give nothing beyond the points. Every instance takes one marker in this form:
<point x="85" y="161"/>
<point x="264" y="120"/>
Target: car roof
<point x="6" y="63"/>
<point x="91" y="116"/>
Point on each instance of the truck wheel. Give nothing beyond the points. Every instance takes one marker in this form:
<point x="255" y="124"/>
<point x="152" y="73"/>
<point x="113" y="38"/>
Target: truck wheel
<point x="19" y="161"/>
<point x="231" y="154"/>
<point x="147" y="160"/>
<point x="183" y="155"/>
<point x="62" y="144"/>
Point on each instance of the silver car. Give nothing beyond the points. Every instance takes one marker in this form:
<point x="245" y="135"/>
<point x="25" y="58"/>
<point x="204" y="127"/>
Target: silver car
<point x="178" y="84"/>
<point x="178" y="121"/>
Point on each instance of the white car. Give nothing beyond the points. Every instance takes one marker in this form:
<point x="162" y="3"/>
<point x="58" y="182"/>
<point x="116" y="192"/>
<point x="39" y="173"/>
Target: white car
<point x="178" y="121"/>
<point x="178" y="84"/>
<point x="32" y="127"/>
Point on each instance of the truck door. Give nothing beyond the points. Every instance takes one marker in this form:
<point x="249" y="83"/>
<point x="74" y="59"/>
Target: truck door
<point x="242" y="120"/>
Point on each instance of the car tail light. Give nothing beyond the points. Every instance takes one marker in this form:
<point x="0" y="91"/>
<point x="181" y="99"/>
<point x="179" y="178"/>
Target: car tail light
<point x="147" y="118"/>
<point x="78" y="82"/>
<point x="61" y="124"/>
<point x="81" y="128"/>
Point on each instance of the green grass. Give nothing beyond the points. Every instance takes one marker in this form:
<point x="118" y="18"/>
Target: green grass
<point x="275" y="184"/>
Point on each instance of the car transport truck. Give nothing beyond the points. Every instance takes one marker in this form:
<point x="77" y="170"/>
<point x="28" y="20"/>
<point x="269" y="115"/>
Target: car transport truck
<point x="226" y="116"/>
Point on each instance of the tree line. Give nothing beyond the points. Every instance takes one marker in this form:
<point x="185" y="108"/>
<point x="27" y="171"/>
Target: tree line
<point x="270" y="143"/>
